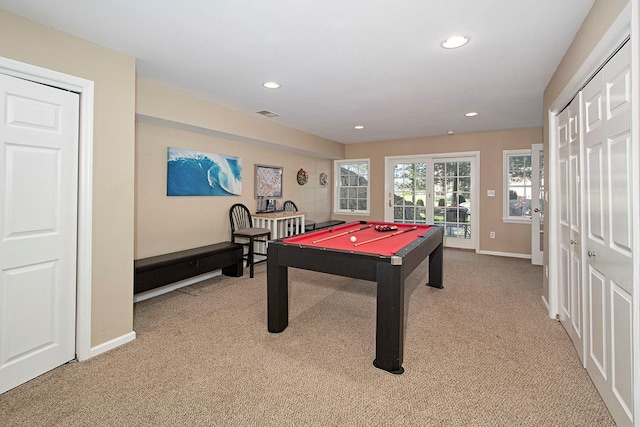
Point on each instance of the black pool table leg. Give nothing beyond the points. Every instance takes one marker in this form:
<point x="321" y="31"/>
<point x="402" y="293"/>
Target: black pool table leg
<point x="436" y="261"/>
<point x="389" y="318"/>
<point x="277" y="293"/>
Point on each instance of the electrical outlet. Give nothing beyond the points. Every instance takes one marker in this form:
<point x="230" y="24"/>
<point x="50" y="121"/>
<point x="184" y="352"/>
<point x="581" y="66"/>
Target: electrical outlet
<point x="546" y="271"/>
<point x="492" y="235"/>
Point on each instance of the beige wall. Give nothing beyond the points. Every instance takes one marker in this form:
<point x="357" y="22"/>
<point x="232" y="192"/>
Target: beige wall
<point x="171" y="118"/>
<point x="165" y="224"/>
<point x="510" y="238"/>
<point x="602" y="15"/>
<point x="113" y="153"/>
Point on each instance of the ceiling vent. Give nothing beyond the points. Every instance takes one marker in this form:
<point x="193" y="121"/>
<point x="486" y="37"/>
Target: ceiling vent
<point x="267" y="113"/>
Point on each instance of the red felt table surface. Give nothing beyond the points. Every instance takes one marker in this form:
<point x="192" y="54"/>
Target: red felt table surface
<point x="385" y="247"/>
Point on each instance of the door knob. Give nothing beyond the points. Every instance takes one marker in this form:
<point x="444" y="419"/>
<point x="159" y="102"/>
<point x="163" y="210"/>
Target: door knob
<point x="591" y="254"/>
<point x="536" y="210"/>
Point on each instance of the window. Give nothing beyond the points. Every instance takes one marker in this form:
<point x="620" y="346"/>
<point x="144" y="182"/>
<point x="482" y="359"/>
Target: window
<point x="517" y="185"/>
<point x="352" y="186"/>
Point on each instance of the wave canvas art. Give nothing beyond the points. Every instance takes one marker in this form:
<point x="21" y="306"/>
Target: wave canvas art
<point x="192" y="173"/>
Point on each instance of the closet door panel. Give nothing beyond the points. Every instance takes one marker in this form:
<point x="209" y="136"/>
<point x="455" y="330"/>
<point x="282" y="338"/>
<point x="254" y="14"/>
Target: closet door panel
<point x="595" y="202"/>
<point x="621" y="226"/>
<point x="622" y="383"/>
<point x="598" y="340"/>
<point x="622" y="378"/>
<point x="609" y="233"/>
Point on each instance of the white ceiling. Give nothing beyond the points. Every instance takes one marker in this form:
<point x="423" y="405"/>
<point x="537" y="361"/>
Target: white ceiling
<point x="340" y="62"/>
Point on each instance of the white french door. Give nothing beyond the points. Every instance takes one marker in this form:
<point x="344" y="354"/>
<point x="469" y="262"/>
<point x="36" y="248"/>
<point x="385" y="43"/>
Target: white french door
<point x="454" y="202"/>
<point x="38" y="228"/>
<point x="435" y="189"/>
<point x="409" y="195"/>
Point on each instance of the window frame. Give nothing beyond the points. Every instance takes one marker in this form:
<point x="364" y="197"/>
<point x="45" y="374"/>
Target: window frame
<point x="506" y="155"/>
<point x="337" y="164"/>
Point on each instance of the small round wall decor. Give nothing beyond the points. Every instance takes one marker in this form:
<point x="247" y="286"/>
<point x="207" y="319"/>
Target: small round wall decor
<point x="302" y="177"/>
<point x="323" y="179"/>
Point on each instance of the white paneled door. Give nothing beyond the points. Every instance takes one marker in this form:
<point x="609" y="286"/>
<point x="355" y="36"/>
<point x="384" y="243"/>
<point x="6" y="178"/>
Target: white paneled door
<point x="570" y="238"/>
<point x="454" y="200"/>
<point x="409" y="200"/>
<point x="38" y="223"/>
<point x="606" y="104"/>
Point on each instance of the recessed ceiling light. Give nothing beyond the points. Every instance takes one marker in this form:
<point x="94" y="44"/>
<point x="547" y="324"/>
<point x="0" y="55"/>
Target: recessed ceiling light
<point x="358" y="127"/>
<point x="271" y="85"/>
<point x="455" y="41"/>
<point x="450" y="132"/>
<point x="471" y="114"/>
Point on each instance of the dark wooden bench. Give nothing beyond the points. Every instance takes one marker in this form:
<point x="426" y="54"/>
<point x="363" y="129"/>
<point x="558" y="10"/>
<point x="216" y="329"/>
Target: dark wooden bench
<point x="327" y="224"/>
<point x="161" y="270"/>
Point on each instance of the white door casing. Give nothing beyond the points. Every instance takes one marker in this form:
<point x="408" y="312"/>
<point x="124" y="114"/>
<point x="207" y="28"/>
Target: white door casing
<point x="38" y="223"/>
<point x="606" y="103"/>
<point x="537" y="204"/>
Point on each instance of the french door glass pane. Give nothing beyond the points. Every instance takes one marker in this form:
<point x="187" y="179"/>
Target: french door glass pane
<point x="452" y="198"/>
<point x="409" y="192"/>
<point x="464" y="184"/>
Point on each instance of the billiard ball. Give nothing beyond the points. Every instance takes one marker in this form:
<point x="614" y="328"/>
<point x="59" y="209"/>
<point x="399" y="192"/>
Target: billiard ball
<point x="353" y="238"/>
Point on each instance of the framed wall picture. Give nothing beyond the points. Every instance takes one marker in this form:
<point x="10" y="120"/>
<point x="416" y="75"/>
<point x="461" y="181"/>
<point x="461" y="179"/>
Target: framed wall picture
<point x="268" y="181"/>
<point x="323" y="179"/>
<point x="194" y="173"/>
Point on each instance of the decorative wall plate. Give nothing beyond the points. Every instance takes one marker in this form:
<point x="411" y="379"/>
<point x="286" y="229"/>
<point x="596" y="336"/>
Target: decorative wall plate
<point x="302" y="177"/>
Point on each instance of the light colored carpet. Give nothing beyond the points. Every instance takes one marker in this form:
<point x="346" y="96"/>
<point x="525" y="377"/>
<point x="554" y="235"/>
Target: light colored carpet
<point x="481" y="351"/>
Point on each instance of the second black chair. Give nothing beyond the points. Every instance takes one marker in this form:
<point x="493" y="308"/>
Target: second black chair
<point x="242" y="228"/>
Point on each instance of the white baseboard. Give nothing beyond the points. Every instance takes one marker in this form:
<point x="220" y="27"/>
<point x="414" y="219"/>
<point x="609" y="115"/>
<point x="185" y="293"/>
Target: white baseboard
<point x="506" y="254"/>
<point x="546" y="304"/>
<point x="173" y="286"/>
<point x="121" y="340"/>
<point x="110" y="345"/>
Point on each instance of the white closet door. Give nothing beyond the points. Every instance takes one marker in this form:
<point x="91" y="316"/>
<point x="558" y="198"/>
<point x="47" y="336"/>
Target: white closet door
<point x="571" y="295"/>
<point x="606" y="103"/>
<point x="38" y="220"/>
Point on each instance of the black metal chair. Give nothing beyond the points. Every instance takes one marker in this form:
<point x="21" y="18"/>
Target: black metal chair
<point x="242" y="228"/>
<point x="289" y="206"/>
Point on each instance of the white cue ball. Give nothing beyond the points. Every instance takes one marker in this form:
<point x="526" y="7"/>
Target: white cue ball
<point x="353" y="238"/>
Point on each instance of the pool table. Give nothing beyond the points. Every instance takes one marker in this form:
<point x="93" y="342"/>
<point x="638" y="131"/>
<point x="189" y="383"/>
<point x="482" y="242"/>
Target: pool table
<point x="384" y="257"/>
